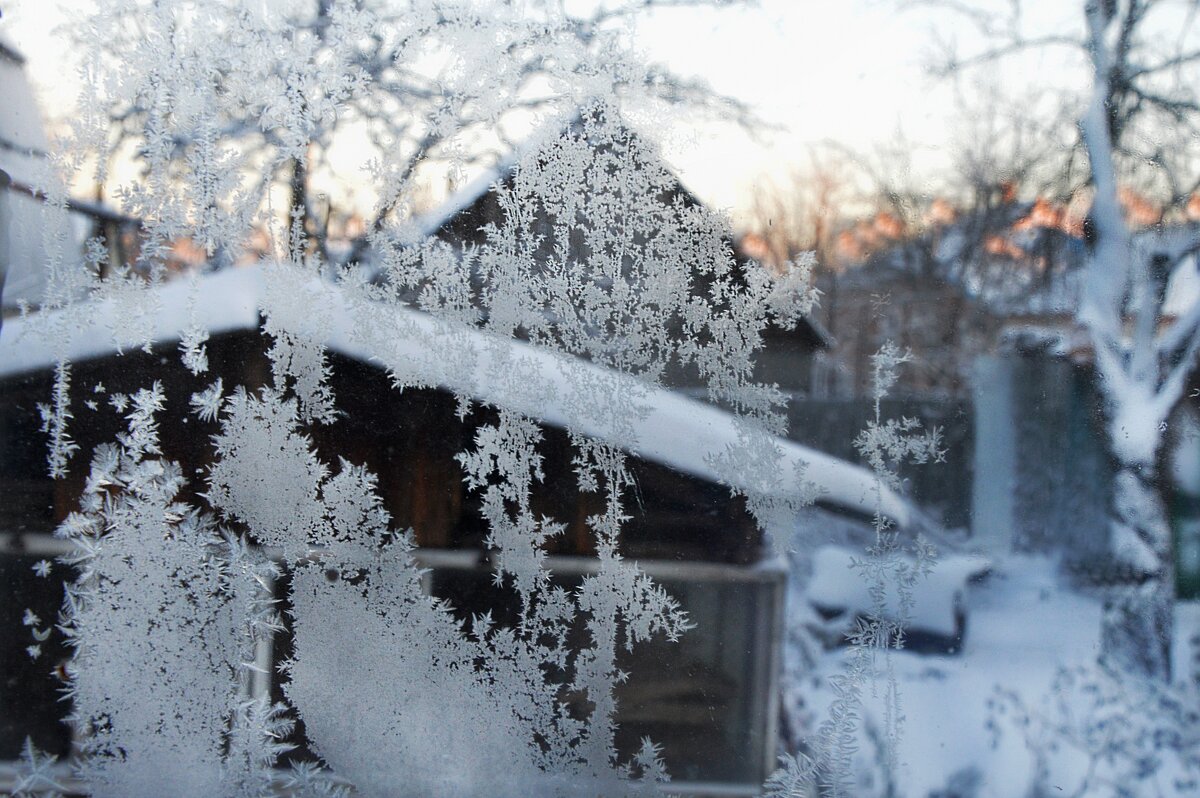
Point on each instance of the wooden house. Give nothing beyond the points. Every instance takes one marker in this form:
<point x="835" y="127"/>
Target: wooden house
<point x="710" y="700"/>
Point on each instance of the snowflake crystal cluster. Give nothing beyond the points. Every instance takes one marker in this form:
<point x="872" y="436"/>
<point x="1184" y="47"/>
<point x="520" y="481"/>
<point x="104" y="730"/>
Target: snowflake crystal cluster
<point x="178" y="578"/>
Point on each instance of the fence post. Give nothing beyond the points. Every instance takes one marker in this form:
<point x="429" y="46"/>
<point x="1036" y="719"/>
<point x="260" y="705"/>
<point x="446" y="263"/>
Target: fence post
<point x="992" y="497"/>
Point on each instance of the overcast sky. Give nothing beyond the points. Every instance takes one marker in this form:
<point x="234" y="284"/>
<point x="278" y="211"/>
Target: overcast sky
<point x="847" y="71"/>
<point x="854" y="72"/>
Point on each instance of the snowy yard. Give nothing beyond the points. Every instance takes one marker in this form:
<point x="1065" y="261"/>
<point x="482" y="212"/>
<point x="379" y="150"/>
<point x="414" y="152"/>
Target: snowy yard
<point x="1023" y="625"/>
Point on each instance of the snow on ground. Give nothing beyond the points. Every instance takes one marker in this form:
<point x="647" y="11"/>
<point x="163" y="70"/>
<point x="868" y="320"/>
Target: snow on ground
<point x="1023" y="624"/>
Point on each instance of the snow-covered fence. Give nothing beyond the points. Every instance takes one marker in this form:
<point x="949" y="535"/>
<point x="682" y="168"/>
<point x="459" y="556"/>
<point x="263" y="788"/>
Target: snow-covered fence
<point x="1042" y="477"/>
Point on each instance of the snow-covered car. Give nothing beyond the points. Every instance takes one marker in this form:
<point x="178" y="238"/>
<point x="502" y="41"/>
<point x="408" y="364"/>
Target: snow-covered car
<point x="839" y="593"/>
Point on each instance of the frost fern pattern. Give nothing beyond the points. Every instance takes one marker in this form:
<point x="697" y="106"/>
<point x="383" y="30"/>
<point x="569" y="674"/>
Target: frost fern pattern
<point x="595" y="258"/>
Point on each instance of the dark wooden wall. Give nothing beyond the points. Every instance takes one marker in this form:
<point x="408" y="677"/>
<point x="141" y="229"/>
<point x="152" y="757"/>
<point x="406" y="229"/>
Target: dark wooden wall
<point x="409" y="439"/>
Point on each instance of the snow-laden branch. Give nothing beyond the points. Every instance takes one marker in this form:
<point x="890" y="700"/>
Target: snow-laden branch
<point x="1107" y="276"/>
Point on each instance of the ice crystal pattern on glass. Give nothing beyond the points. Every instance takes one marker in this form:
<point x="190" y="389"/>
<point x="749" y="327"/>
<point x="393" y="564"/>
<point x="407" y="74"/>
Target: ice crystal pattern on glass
<point x="597" y="258"/>
<point x="891" y="574"/>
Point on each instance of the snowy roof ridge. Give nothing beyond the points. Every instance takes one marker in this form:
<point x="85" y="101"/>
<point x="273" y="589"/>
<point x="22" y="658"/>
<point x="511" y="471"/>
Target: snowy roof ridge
<point x="432" y="221"/>
<point x="9" y="51"/>
<point x="655" y="423"/>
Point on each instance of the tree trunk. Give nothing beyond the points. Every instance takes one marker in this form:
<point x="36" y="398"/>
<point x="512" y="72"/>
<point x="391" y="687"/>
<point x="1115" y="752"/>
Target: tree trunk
<point x="1136" y="629"/>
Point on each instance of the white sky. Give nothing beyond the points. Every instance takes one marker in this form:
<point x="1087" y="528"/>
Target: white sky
<point x="849" y="71"/>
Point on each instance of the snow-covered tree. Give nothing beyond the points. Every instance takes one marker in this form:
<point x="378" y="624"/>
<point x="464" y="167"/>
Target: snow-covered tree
<point x="367" y="76"/>
<point x="1136" y="125"/>
<point x="1143" y="356"/>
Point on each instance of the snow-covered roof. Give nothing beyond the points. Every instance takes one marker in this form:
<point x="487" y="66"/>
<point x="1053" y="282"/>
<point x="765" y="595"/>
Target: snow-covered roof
<point x="1180" y="245"/>
<point x="23" y="145"/>
<point x="1183" y="287"/>
<point x="1028" y="292"/>
<point x="466" y="196"/>
<point x="656" y="424"/>
<point x="23" y="139"/>
<point x="432" y="221"/>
